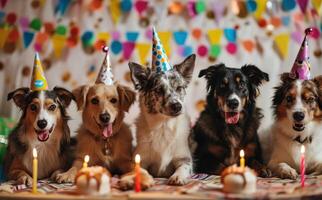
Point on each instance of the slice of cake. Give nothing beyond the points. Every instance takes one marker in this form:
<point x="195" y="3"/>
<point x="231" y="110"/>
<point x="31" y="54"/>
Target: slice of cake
<point x="238" y="180"/>
<point x="93" y="180"/>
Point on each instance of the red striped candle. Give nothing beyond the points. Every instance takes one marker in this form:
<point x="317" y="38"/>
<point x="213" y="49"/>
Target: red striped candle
<point x="302" y="166"/>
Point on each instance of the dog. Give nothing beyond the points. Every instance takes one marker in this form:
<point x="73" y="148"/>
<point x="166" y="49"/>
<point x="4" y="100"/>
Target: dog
<point x="43" y="125"/>
<point x="162" y="125"/>
<point x="230" y="120"/>
<point x="297" y="108"/>
<point x="103" y="135"/>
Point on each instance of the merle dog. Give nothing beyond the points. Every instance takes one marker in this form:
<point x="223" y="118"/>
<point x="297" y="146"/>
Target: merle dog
<point x="230" y="120"/>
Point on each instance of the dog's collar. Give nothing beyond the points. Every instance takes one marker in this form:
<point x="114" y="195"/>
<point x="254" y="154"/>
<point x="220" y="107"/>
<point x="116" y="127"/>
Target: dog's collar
<point x="306" y="140"/>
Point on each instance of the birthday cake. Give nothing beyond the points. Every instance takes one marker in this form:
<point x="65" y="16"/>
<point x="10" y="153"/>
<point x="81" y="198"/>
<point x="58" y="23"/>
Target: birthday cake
<point x="93" y="181"/>
<point x="238" y="180"/>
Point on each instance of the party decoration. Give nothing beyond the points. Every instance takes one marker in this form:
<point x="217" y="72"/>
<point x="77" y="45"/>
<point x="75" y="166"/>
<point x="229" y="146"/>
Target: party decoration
<point x="137" y="173"/>
<point x="126" y="5"/>
<point x="24" y="23"/>
<point x="230" y="34"/>
<point x="61" y="30"/>
<point x="200" y="6"/>
<point x="303" y="5"/>
<point x="315" y="33"/>
<point x="176" y="7"/>
<point x="242" y="158"/>
<point x="191" y="7"/>
<point x="116" y="35"/>
<point x="141" y="6"/>
<point x="4" y="32"/>
<point x="261" y="6"/>
<point x="105" y="36"/>
<point x="317" y="5"/>
<point x="248" y="45"/>
<point x="251" y="5"/>
<point x="128" y="48"/>
<point x="159" y="58"/>
<point x="231" y="48"/>
<point x="286" y="20"/>
<point x="302" y="166"/>
<point x="115" y="11"/>
<point x="281" y="43"/>
<point x="297" y="36"/>
<point x="58" y="42"/>
<point x="34" y="171"/>
<point x="13" y="35"/>
<point x="219" y="9"/>
<point x="38" y="79"/>
<point x="288" y="5"/>
<point x="215" y="35"/>
<point x="35" y="24"/>
<point x="215" y="50"/>
<point x="116" y="47"/>
<point x="202" y="50"/>
<point x="196" y="33"/>
<point x="27" y="38"/>
<point x="301" y="66"/>
<point x="95" y="5"/>
<point x="87" y="38"/>
<point x="105" y="75"/>
<point x="132" y="36"/>
<point x="62" y="6"/>
<point x="11" y="18"/>
<point x="165" y="37"/>
<point x="187" y="50"/>
<point x="180" y="37"/>
<point x="143" y="50"/>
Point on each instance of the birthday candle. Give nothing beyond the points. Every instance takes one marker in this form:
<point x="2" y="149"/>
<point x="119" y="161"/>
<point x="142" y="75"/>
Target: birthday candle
<point x="34" y="171"/>
<point x="86" y="160"/>
<point x="242" y="158"/>
<point x="302" y="166"/>
<point x="137" y="173"/>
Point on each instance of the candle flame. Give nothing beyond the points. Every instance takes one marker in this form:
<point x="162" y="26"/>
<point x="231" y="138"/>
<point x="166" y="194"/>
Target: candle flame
<point x="86" y="158"/>
<point x="34" y="152"/>
<point x="302" y="149"/>
<point x="242" y="153"/>
<point x="137" y="158"/>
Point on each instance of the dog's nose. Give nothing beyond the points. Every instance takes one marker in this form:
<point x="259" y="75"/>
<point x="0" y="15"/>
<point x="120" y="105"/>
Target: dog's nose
<point x="298" y="116"/>
<point x="176" y="107"/>
<point x="233" y="103"/>
<point x="42" y="123"/>
<point x="105" y="117"/>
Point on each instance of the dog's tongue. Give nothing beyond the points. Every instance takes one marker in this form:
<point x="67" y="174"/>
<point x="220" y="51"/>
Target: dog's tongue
<point x="108" y="130"/>
<point x="43" y="135"/>
<point x="231" y="117"/>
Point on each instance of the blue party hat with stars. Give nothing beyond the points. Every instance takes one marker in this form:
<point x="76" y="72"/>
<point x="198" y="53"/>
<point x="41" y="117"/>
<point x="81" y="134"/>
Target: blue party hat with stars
<point x="159" y="57"/>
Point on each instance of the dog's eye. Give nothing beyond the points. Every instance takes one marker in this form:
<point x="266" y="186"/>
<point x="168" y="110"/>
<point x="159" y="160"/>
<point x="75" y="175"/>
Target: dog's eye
<point x="179" y="89"/>
<point x="310" y="100"/>
<point x="33" y="107"/>
<point x="52" y="107"/>
<point x="241" y="84"/>
<point x="95" y="101"/>
<point x="289" y="99"/>
<point x="113" y="100"/>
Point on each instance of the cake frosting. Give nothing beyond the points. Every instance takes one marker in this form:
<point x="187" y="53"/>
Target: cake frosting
<point x="93" y="180"/>
<point x="238" y="180"/>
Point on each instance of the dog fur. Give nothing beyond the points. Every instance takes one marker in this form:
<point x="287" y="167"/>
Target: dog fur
<point x="113" y="152"/>
<point x="163" y="126"/>
<point x="54" y="153"/>
<point x="218" y="140"/>
<point x="289" y="133"/>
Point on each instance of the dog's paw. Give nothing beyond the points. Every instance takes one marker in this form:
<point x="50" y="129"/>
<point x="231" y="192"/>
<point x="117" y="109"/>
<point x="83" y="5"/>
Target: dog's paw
<point x="147" y="180"/>
<point x="66" y="177"/>
<point x="126" y="182"/>
<point x="265" y="172"/>
<point x="24" y="179"/>
<point x="177" y="179"/>
<point x="284" y="171"/>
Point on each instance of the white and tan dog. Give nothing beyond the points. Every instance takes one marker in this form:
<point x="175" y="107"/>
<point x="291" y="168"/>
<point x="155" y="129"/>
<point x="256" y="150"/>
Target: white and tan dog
<point x="297" y="106"/>
<point x="163" y="126"/>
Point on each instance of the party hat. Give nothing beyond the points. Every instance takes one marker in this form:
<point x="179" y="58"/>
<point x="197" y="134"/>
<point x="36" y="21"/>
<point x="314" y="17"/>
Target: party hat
<point x="38" y="79"/>
<point x="159" y="57"/>
<point x="301" y="66"/>
<point x="105" y="75"/>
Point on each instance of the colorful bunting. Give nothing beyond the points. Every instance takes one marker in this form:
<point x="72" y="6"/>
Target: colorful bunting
<point x="281" y="43"/>
<point x="230" y="34"/>
<point x="143" y="51"/>
<point x="58" y="42"/>
<point x="132" y="36"/>
<point x="215" y="35"/>
<point x="27" y="38"/>
<point x="128" y="48"/>
<point x="126" y="5"/>
<point x="180" y="37"/>
<point x="4" y="32"/>
<point x="231" y="48"/>
<point x="116" y="47"/>
<point x="288" y="5"/>
<point x="248" y="45"/>
<point x="261" y="6"/>
<point x="215" y="50"/>
<point x="115" y="10"/>
<point x="141" y="6"/>
<point x="165" y="40"/>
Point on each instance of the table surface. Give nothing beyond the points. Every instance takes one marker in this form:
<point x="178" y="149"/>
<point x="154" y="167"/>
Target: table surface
<point x="201" y="186"/>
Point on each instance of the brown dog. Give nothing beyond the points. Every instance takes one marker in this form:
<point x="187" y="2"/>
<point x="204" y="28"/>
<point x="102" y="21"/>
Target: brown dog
<point x="103" y="135"/>
<point x="43" y="125"/>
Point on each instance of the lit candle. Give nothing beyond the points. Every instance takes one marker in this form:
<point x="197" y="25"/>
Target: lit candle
<point x="86" y="160"/>
<point x="302" y="166"/>
<point x="242" y="158"/>
<point x="137" y="173"/>
<point x="34" y="171"/>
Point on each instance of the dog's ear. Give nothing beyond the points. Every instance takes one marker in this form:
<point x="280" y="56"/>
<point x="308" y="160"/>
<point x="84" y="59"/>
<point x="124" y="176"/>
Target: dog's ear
<point x="64" y="96"/>
<point x="80" y="94"/>
<point x="19" y="96"/>
<point x="255" y="75"/>
<point x="211" y="73"/>
<point x="318" y="82"/>
<point x="139" y="75"/>
<point x="186" y="67"/>
<point x="126" y="97"/>
<point x="286" y="78"/>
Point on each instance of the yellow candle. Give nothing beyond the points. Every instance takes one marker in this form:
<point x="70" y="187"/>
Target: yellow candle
<point x="242" y="158"/>
<point x="34" y="171"/>
<point x="86" y="160"/>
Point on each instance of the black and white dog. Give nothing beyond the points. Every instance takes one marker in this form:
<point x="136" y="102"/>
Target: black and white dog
<point x="230" y="120"/>
<point x="297" y="107"/>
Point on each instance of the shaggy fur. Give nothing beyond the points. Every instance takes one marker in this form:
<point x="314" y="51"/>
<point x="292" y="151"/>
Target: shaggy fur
<point x="297" y="107"/>
<point x="54" y="154"/>
<point x="114" y="150"/>
<point x="162" y="126"/>
<point x="230" y="120"/>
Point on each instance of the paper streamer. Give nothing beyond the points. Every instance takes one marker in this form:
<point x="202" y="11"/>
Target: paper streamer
<point x="281" y="43"/>
<point x="180" y="37"/>
<point x="128" y="48"/>
<point x="143" y="51"/>
<point x="58" y="42"/>
<point x="214" y="36"/>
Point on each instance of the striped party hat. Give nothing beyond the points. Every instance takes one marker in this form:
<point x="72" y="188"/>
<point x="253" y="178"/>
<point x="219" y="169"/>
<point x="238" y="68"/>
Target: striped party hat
<point x="159" y="57"/>
<point x="105" y="75"/>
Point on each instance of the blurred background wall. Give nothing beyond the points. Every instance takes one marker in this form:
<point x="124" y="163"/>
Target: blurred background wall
<point x="69" y="35"/>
